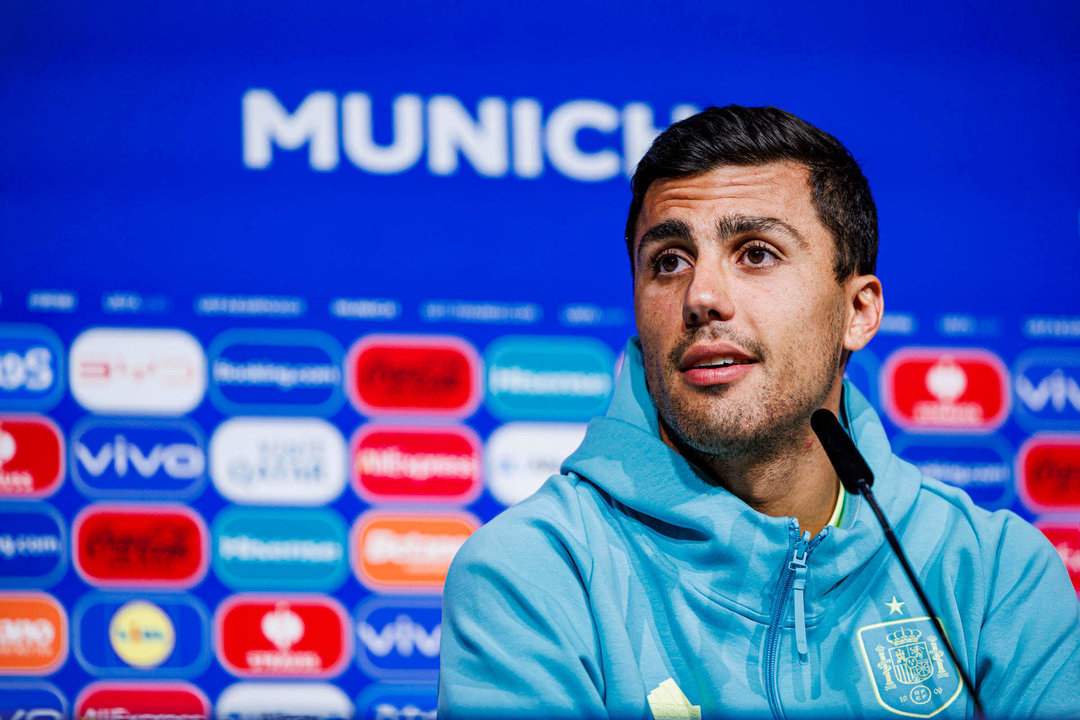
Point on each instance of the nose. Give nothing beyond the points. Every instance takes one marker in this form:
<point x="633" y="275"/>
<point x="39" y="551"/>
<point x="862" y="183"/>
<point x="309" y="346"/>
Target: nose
<point x="708" y="296"/>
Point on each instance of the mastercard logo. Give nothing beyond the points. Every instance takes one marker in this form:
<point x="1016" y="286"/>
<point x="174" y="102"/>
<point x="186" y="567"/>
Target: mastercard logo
<point x="33" y="634"/>
<point x="1048" y="473"/>
<point x="414" y="375"/>
<point x="416" y="464"/>
<point x="141" y="700"/>
<point x="408" y="552"/>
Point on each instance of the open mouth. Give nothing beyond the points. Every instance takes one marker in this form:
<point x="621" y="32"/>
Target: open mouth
<point x="721" y="362"/>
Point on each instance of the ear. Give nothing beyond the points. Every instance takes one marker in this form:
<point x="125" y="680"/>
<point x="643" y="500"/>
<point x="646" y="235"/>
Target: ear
<point x="865" y="308"/>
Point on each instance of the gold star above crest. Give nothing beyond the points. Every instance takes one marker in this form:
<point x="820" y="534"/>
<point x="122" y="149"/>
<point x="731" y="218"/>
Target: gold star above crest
<point x="895" y="606"/>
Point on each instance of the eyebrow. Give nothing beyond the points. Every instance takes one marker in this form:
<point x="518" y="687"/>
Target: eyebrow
<point x="726" y="227"/>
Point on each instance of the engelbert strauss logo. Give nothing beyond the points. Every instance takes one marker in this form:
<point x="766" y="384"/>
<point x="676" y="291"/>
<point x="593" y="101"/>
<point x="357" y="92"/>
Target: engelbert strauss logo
<point x="911" y="672"/>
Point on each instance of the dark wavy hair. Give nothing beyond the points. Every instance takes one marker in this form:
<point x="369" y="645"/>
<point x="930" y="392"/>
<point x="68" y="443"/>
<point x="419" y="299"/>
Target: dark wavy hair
<point x="735" y="135"/>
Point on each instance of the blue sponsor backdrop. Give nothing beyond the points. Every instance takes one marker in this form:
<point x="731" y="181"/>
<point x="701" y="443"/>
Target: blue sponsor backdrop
<point x="282" y="182"/>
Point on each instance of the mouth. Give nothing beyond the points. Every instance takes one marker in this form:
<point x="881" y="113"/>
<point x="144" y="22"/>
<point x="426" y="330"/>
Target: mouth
<point x="715" y="364"/>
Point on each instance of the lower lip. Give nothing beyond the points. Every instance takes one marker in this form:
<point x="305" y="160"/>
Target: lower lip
<point x="716" y="376"/>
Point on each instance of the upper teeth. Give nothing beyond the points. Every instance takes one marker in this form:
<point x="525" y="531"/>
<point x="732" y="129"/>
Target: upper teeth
<point x="721" y="361"/>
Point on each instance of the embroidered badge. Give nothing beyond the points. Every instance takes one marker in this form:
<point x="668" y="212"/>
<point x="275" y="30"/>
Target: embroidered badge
<point x="667" y="702"/>
<point x="909" y="666"/>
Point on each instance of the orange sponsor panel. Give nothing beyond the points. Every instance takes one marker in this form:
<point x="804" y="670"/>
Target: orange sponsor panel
<point x="408" y="552"/>
<point x="33" y="634"/>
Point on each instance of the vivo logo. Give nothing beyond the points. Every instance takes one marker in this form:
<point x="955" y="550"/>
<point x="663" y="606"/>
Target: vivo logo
<point x="1047" y="384"/>
<point x="182" y="461"/>
<point x="403" y="636"/>
<point x="31" y="701"/>
<point x="138" y="458"/>
<point x="399" y="639"/>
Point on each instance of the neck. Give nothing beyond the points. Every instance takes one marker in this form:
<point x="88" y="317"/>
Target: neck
<point x="795" y="479"/>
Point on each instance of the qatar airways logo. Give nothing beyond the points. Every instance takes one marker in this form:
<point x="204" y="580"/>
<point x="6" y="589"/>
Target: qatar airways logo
<point x="495" y="136"/>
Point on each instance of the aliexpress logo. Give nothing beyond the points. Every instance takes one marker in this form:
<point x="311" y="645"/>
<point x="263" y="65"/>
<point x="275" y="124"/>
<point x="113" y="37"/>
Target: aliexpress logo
<point x="957" y="390"/>
<point x="416" y="464"/>
<point x="1049" y="473"/>
<point x="282" y="636"/>
<point x="140" y="545"/>
<point x="33" y="634"/>
<point x="1065" y="537"/>
<point x="132" y="700"/>
<point x="31" y="456"/>
<point x="408" y="552"/>
<point x="414" y="374"/>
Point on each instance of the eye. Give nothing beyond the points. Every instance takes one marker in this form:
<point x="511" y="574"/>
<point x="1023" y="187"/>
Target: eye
<point x="668" y="263"/>
<point x="759" y="255"/>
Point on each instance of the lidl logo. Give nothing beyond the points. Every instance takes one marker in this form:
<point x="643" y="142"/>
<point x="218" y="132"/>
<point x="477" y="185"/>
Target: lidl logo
<point x="33" y="700"/>
<point x="397" y="701"/>
<point x="282" y="636"/>
<point x="33" y="545"/>
<point x="158" y="633"/>
<point x="140" y="545"/>
<point x="135" y="700"/>
<point x="416" y="464"/>
<point x="291" y="372"/>
<point x="399" y="640"/>
<point x="414" y="375"/>
<point x="31" y="367"/>
<point x="1049" y="473"/>
<point x="565" y="378"/>
<point x="272" y="549"/>
<point x="982" y="466"/>
<point x="948" y="390"/>
<point x="271" y="461"/>
<point x="408" y="552"/>
<point x="31" y="456"/>
<point x="137" y="371"/>
<point x="160" y="459"/>
<point x="1047" y="385"/>
<point x="522" y="455"/>
<point x="1065" y="538"/>
<point x="33" y="634"/>
<point x="278" y="700"/>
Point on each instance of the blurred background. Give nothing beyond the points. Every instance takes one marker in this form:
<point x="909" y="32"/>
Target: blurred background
<point x="293" y="296"/>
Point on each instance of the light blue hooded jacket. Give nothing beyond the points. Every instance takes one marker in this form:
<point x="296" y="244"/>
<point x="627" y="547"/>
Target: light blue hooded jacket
<point x="629" y="569"/>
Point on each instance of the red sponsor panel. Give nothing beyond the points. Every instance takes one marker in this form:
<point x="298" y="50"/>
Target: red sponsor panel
<point x="140" y="545"/>
<point x="33" y="634"/>
<point x="416" y="464"/>
<point x="31" y="456"/>
<point x="410" y="375"/>
<point x="1065" y="537"/>
<point x="1048" y="473"/>
<point x="127" y="700"/>
<point x="946" y="389"/>
<point x="408" y="552"/>
<point x="282" y="636"/>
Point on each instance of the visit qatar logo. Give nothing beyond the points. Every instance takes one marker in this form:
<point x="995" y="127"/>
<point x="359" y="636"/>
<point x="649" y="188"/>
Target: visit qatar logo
<point x="282" y="636"/>
<point x="416" y="464"/>
<point x="946" y="390"/>
<point x="1048" y="472"/>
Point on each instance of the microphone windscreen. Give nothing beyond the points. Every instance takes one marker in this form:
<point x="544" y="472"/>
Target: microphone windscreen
<point x="844" y="456"/>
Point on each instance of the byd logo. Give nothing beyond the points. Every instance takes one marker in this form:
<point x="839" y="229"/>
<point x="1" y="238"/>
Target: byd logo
<point x="416" y="464"/>
<point x="140" y="545"/>
<point x="125" y="700"/>
<point x="414" y="374"/>
<point x="1049" y="473"/>
<point x="31" y="456"/>
<point x="957" y="390"/>
<point x="408" y="552"/>
<point x="33" y="634"/>
<point x="138" y="458"/>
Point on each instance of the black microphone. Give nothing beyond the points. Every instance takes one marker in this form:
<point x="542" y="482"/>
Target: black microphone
<point x="856" y="477"/>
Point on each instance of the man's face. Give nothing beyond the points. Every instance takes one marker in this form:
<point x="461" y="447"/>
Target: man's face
<point x="738" y="309"/>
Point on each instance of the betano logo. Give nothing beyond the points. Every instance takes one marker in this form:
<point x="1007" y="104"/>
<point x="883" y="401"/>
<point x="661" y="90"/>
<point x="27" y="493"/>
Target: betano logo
<point x="33" y="634"/>
<point x="137" y="371"/>
<point x="520" y="456"/>
<point x="282" y="636"/>
<point x="269" y="461"/>
<point x="408" y="552"/>
<point x="416" y="464"/>
<point x="33" y="544"/>
<point x="399" y="640"/>
<point x="414" y="375"/>
<point x="946" y="389"/>
<point x="500" y="138"/>
<point x="281" y="701"/>
<point x="1047" y="384"/>
<point x="141" y="701"/>
<point x="1065" y="537"/>
<point x="31" y="367"/>
<point x="163" y="459"/>
<point x="31" y="456"/>
<point x="1048" y="472"/>
<point x="157" y="545"/>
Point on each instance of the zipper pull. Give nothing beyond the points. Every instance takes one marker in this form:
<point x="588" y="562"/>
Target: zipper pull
<point x="798" y="564"/>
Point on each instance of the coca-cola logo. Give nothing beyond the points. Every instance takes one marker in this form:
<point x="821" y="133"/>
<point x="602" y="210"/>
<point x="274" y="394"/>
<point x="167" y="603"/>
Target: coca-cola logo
<point x="946" y="389"/>
<point x="1049" y="473"/>
<point x="416" y="464"/>
<point x="140" y="545"/>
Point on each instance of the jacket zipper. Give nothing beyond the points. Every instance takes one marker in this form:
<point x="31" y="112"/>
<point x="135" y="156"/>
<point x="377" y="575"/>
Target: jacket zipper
<point x="792" y="578"/>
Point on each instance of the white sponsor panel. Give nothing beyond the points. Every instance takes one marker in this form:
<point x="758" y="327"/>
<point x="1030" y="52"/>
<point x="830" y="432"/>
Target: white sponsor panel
<point x="520" y="456"/>
<point x="137" y="371"/>
<point x="269" y="461"/>
<point x="266" y="700"/>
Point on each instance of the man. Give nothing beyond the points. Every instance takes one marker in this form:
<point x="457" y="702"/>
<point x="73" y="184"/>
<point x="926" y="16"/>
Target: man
<point x="698" y="557"/>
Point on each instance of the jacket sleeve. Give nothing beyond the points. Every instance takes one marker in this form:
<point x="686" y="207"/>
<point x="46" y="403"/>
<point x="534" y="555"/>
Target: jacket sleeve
<point x="1029" y="650"/>
<point x="517" y="636"/>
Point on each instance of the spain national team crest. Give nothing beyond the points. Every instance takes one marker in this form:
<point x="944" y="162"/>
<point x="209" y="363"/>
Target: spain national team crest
<point x="909" y="666"/>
